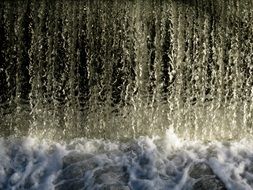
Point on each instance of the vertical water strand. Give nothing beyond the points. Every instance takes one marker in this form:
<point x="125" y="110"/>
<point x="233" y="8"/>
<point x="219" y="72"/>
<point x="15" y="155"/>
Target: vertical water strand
<point x="241" y="75"/>
<point x="211" y="88"/>
<point x="169" y="65"/>
<point x="204" y="109"/>
<point x="101" y="63"/>
<point x="129" y="62"/>
<point x="106" y="62"/>
<point x="4" y="98"/>
<point x="196" y="79"/>
<point x="248" y="58"/>
<point x="187" y="69"/>
<point x="149" y="22"/>
<point x="22" y="74"/>
<point x="127" y="57"/>
<point x="199" y="51"/>
<point x="231" y="55"/>
<point x="234" y="59"/>
<point x="33" y="69"/>
<point x="244" y="15"/>
<point x="134" y="91"/>
<point x="44" y="115"/>
<point x="189" y="55"/>
<point x="249" y="70"/>
<point x="83" y="92"/>
<point x="241" y="65"/>
<point x="220" y="54"/>
<point x="152" y="22"/>
<point x="43" y="66"/>
<point x="114" y="65"/>
<point x="152" y="19"/>
<point x="71" y="89"/>
<point x="2" y="59"/>
<point x="37" y="70"/>
<point x="161" y="74"/>
<point x="250" y="79"/>
<point x="168" y="68"/>
<point x="91" y="61"/>
<point x="97" y="61"/>
<point x="120" y="68"/>
<point x="10" y="58"/>
<point x="181" y="73"/>
<point x="64" y="39"/>
<point x="108" y="39"/>
<point x="75" y="68"/>
<point x="178" y="83"/>
<point x="59" y="66"/>
<point x="87" y="53"/>
<point x="65" y="62"/>
<point x="166" y="48"/>
<point x="50" y="60"/>
<point x="18" y="81"/>
<point x="196" y="69"/>
<point x="174" y="94"/>
<point x="153" y="35"/>
<point x="141" y="69"/>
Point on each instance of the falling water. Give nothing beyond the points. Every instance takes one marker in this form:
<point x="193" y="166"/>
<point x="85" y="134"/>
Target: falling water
<point x="116" y="69"/>
<point x="133" y="94"/>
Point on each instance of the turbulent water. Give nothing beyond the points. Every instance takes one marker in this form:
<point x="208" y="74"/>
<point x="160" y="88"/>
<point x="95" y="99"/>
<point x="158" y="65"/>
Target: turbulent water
<point x="120" y="95"/>
<point x="158" y="163"/>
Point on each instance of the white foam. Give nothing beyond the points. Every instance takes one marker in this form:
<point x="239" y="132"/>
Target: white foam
<point x="145" y="163"/>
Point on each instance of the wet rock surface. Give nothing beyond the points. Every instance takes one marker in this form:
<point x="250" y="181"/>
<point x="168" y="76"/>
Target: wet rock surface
<point x="83" y="171"/>
<point x="75" y="184"/>
<point x="209" y="183"/>
<point x="111" y="174"/>
<point x="76" y="170"/>
<point x="74" y="157"/>
<point x="205" y="178"/>
<point x="112" y="187"/>
<point x="199" y="170"/>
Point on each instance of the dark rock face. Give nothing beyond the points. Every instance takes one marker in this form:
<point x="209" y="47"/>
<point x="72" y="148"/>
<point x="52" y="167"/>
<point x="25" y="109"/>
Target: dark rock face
<point x="209" y="183"/>
<point x="76" y="170"/>
<point x="199" y="170"/>
<point x="111" y="174"/>
<point x="82" y="171"/>
<point x="86" y="171"/>
<point x="112" y="187"/>
<point x="74" y="157"/>
<point x="74" y="166"/>
<point x="205" y="178"/>
<point x="76" y="184"/>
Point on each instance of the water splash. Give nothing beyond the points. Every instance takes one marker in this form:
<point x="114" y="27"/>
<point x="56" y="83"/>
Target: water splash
<point x="144" y="163"/>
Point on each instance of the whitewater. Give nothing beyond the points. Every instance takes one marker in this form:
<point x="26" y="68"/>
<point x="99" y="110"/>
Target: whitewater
<point x="145" y="163"/>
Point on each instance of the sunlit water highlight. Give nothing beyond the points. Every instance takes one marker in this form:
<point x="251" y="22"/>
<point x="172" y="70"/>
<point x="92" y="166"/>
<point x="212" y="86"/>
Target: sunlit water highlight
<point x="134" y="67"/>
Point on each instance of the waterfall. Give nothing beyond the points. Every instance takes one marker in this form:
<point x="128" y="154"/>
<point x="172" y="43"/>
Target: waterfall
<point x="121" y="69"/>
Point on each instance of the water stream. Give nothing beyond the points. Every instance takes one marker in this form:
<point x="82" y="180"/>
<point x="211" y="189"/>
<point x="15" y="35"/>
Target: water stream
<point x="119" y="71"/>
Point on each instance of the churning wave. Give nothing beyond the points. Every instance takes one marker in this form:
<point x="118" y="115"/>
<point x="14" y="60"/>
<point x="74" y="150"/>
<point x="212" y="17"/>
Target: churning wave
<point x="145" y="163"/>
